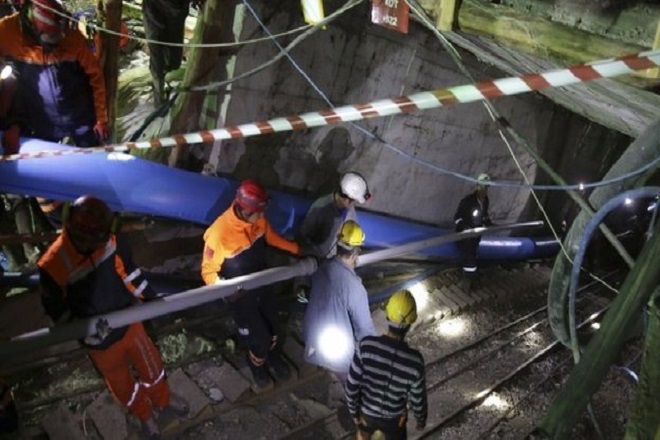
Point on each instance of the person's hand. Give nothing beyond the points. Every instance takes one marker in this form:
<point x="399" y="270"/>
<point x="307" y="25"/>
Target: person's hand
<point x="102" y="131"/>
<point x="11" y="141"/>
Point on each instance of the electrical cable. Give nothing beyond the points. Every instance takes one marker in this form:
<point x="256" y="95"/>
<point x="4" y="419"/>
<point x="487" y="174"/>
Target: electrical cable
<point x="169" y="44"/>
<point x="589" y="230"/>
<point x="284" y="51"/>
<point x="441" y="170"/>
<point x="500" y="183"/>
<point x="501" y="122"/>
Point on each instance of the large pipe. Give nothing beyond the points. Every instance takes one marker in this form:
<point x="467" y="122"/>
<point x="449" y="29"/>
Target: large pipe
<point x="191" y="298"/>
<point x="415" y="246"/>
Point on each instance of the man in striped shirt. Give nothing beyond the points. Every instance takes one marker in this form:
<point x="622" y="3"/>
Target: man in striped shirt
<point x="387" y="376"/>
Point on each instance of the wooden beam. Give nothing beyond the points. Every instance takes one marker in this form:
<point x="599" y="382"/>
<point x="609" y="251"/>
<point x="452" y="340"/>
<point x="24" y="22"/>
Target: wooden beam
<point x="214" y="25"/>
<point x="448" y="14"/>
<point x="606" y="344"/>
<point x="549" y="40"/>
<point x="653" y="73"/>
<point x="109" y="56"/>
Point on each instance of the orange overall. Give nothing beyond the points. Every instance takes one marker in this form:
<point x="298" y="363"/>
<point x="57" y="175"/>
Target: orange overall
<point x="90" y="285"/>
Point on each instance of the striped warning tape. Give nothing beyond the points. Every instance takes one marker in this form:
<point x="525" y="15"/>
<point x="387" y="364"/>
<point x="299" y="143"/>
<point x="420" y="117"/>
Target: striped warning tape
<point x="385" y="107"/>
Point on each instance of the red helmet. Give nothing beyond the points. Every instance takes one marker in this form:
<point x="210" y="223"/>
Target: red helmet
<point x="47" y="16"/>
<point x="89" y="218"/>
<point x="251" y="196"/>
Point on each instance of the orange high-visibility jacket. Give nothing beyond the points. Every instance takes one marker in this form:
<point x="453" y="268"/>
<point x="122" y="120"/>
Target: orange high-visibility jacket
<point x="234" y="247"/>
<point x="89" y="285"/>
<point x="59" y="90"/>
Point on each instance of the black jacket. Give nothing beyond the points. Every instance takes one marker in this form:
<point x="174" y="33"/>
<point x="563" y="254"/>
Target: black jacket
<point x="81" y="286"/>
<point x="472" y="214"/>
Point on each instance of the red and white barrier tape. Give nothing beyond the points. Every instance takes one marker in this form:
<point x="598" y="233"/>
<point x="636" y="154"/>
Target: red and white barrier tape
<point x="385" y="107"/>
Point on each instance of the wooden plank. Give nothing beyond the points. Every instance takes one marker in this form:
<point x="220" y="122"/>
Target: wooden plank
<point x="440" y="297"/>
<point x="466" y="297"/>
<point x="108" y="417"/>
<point x="62" y="424"/>
<point x="448" y="15"/>
<point x="458" y="299"/>
<point x="653" y="73"/>
<point x="295" y="353"/>
<point x="549" y="40"/>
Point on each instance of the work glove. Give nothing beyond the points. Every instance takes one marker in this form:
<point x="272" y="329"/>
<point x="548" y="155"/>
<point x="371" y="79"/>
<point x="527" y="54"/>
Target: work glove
<point x="11" y="139"/>
<point x="102" y="131"/>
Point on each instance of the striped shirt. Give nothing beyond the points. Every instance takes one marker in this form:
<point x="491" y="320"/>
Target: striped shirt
<point x="385" y="377"/>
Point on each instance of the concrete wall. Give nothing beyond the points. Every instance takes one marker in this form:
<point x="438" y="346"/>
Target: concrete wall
<point x="353" y="62"/>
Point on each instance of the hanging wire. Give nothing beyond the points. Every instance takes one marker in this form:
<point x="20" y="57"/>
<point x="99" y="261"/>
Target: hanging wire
<point x="441" y="170"/>
<point x="284" y="51"/>
<point x="349" y="5"/>
<point x="500" y="121"/>
<point x="170" y="44"/>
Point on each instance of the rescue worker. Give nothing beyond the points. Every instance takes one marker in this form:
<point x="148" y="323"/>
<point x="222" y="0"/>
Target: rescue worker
<point x="61" y="92"/>
<point x="338" y="311"/>
<point x="164" y="21"/>
<point x="472" y="213"/>
<point x="319" y="229"/>
<point x="387" y="376"/>
<point x="88" y="271"/>
<point x="236" y="244"/>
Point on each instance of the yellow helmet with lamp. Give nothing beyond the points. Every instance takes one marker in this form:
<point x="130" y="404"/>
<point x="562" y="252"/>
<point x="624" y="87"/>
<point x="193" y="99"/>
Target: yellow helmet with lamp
<point x="401" y="309"/>
<point x="350" y="235"/>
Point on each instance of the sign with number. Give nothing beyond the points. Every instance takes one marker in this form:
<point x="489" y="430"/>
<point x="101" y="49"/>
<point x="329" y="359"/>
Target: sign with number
<point x="392" y="14"/>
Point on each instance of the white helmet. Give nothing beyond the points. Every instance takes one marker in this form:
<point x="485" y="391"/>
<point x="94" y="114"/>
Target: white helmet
<point x="354" y="186"/>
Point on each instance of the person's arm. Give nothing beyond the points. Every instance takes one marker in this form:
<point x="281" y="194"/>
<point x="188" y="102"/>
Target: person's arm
<point x="353" y="387"/>
<point x="212" y="260"/>
<point x="460" y="222"/>
<point x="52" y="298"/>
<point x="418" y="400"/>
<point x="132" y="275"/>
<point x="92" y="68"/>
<point x="276" y="240"/>
<point x="358" y="309"/>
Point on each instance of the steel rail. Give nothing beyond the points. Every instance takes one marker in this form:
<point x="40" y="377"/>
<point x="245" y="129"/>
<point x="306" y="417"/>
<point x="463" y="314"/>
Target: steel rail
<point x="487" y="391"/>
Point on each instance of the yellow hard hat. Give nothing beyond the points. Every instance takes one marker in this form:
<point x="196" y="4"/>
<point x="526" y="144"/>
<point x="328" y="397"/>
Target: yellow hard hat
<point x="401" y="309"/>
<point x="483" y="177"/>
<point x="351" y="234"/>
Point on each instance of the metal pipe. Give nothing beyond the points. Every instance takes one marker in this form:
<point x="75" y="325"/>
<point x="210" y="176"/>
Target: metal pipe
<point x="415" y="246"/>
<point x="191" y="298"/>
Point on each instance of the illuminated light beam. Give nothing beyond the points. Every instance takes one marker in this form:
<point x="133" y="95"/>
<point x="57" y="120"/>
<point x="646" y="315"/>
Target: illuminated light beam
<point x="387" y="107"/>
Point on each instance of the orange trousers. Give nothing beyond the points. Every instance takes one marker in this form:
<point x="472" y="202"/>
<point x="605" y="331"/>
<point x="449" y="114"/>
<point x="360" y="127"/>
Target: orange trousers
<point x="114" y="363"/>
